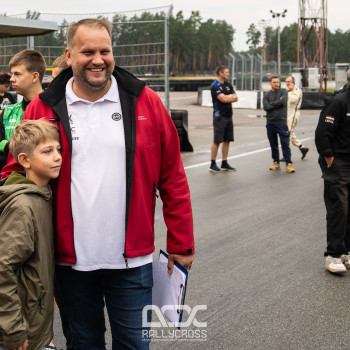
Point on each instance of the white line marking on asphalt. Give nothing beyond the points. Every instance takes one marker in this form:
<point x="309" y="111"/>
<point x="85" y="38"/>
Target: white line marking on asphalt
<point x="238" y="155"/>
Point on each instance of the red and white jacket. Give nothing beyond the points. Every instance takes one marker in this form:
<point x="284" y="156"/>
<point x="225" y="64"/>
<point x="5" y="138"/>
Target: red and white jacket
<point x="153" y="162"/>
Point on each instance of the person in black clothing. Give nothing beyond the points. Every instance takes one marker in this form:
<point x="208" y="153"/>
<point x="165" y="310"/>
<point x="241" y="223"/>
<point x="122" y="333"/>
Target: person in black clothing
<point x="332" y="138"/>
<point x="275" y="105"/>
<point x="5" y="97"/>
<point x="223" y="95"/>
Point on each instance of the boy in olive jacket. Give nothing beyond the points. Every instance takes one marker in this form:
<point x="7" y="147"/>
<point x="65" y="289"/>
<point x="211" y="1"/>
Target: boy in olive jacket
<point x="26" y="239"/>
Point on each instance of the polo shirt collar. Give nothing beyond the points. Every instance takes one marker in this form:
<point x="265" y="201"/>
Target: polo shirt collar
<point x="111" y="95"/>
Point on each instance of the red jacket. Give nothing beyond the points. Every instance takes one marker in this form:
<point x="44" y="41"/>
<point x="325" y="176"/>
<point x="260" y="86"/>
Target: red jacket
<point x="153" y="162"/>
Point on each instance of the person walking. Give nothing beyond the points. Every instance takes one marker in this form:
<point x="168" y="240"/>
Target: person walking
<point x="295" y="96"/>
<point x="120" y="149"/>
<point x="275" y="105"/>
<point x="223" y="95"/>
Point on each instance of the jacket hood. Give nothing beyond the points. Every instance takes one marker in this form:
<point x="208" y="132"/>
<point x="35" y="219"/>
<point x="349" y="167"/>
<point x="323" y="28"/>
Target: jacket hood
<point x="17" y="184"/>
<point x="56" y="91"/>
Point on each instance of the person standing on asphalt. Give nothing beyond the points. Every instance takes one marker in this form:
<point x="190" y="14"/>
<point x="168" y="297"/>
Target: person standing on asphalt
<point x="223" y="95"/>
<point x="119" y="148"/>
<point x="275" y="105"/>
<point x="295" y="96"/>
<point x="332" y="138"/>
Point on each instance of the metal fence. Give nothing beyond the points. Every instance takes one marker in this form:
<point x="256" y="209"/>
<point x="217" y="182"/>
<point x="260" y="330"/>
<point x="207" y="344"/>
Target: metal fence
<point x="140" y="42"/>
<point x="246" y="71"/>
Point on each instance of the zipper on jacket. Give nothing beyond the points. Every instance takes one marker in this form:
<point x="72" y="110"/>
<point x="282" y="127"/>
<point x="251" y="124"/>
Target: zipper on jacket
<point x="59" y="129"/>
<point x="155" y="195"/>
<point x="126" y="261"/>
<point x="155" y="190"/>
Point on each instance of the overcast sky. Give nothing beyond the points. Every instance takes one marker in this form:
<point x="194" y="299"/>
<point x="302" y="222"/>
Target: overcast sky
<point x="240" y="14"/>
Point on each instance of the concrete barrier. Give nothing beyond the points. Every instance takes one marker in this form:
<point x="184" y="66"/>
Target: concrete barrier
<point x="246" y="99"/>
<point x="254" y="99"/>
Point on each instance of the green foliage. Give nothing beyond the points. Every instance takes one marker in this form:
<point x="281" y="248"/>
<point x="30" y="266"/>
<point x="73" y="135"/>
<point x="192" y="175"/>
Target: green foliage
<point x="289" y="43"/>
<point x="197" y="46"/>
<point x="253" y="35"/>
<point x="338" y="46"/>
<point x="338" y="49"/>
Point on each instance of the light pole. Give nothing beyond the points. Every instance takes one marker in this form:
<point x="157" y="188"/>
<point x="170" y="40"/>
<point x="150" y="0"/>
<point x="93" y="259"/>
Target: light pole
<point x="278" y="15"/>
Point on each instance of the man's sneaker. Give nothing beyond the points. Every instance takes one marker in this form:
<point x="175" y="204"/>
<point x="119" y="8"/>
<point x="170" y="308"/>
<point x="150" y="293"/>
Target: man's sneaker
<point x="275" y="166"/>
<point x="345" y="259"/>
<point x="214" y="168"/>
<point x="335" y="265"/>
<point x="227" y="167"/>
<point x="304" y="151"/>
<point x="289" y="168"/>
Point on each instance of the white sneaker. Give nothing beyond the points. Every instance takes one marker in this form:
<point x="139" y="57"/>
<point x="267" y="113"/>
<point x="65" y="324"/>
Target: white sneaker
<point x="345" y="259"/>
<point x="335" y="265"/>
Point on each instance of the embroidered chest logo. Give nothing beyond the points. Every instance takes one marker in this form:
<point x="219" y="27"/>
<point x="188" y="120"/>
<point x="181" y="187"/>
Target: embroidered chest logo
<point x="72" y="128"/>
<point x="329" y="119"/>
<point x="141" y="117"/>
<point x="116" y="116"/>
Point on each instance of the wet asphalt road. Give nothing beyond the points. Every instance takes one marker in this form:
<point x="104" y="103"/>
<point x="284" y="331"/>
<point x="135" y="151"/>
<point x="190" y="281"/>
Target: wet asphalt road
<point x="260" y="237"/>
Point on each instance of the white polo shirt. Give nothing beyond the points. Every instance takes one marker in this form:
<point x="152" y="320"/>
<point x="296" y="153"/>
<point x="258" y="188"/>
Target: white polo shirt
<point x="98" y="181"/>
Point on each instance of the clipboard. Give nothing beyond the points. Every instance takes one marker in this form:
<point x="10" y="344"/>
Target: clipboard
<point x="169" y="289"/>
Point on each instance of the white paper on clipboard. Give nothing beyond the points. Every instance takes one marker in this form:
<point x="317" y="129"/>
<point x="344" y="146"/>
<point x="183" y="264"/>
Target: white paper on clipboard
<point x="169" y="289"/>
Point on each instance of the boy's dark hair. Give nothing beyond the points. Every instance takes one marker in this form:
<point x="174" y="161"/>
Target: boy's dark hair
<point x="220" y="68"/>
<point x="274" y="77"/>
<point x="33" y="60"/>
<point x="29" y="134"/>
<point x="4" y="79"/>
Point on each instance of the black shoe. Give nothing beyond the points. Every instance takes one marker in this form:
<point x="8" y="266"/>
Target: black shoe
<point x="214" y="168"/>
<point x="227" y="167"/>
<point x="304" y="151"/>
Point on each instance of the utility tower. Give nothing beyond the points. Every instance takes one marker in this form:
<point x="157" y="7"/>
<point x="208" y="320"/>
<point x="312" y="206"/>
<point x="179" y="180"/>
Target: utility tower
<point x="313" y="41"/>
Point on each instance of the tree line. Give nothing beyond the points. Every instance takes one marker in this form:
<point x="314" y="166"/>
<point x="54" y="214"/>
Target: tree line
<point x="338" y="50"/>
<point x="195" y="46"/>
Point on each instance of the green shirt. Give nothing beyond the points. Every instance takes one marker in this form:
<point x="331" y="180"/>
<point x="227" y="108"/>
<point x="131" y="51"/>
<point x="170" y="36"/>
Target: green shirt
<point x="11" y="117"/>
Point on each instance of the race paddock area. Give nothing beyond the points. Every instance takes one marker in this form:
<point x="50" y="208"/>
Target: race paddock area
<point x="260" y="237"/>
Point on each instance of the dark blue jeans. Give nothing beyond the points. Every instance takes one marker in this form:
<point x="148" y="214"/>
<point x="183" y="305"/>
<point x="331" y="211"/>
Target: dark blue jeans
<point x="282" y="131"/>
<point x="125" y="293"/>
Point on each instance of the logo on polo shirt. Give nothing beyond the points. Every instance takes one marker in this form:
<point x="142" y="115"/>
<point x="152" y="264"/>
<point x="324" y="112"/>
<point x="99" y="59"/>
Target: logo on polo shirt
<point x="141" y="117"/>
<point x="116" y="116"/>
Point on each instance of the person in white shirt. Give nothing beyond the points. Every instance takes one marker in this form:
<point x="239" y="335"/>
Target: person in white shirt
<point x="295" y="96"/>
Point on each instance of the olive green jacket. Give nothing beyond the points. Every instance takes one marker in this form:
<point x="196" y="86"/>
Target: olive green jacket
<point x="26" y="263"/>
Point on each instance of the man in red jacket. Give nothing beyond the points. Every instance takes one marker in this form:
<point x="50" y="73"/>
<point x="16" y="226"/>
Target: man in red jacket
<point x="119" y="148"/>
